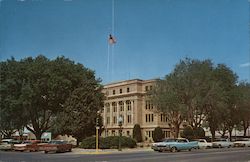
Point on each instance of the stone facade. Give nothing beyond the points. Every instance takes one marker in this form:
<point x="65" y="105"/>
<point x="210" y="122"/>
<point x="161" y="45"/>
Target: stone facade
<point x="128" y="99"/>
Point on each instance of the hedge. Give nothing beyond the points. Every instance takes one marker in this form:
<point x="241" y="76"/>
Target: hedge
<point x="110" y="142"/>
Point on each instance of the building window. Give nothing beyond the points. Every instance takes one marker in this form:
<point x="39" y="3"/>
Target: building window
<point x="108" y="120"/>
<point x="113" y="132"/>
<point x="121" y="106"/>
<point x="129" y="118"/>
<point x="166" y="134"/>
<point x="148" y="105"/>
<point x="120" y="91"/>
<point x="127" y="89"/>
<point x="128" y="133"/>
<point x="114" y="107"/>
<point x="113" y="92"/>
<point x="108" y="107"/>
<point x="149" y="118"/>
<point x="115" y="120"/>
<point x="128" y="103"/>
<point x="151" y="88"/>
<point x="163" y="118"/>
<point x="146" y="88"/>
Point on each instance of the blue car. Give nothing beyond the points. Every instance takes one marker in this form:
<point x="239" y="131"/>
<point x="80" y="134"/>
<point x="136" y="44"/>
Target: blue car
<point x="175" y="145"/>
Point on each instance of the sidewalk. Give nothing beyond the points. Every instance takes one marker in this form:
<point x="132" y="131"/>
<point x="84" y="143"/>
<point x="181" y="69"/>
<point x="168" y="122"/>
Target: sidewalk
<point x="108" y="151"/>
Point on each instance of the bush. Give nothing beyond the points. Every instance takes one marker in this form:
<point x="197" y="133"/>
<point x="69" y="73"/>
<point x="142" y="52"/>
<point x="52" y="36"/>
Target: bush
<point x="158" y="134"/>
<point x="110" y="142"/>
<point x="187" y="132"/>
<point x="137" y="133"/>
<point x="199" y="132"/>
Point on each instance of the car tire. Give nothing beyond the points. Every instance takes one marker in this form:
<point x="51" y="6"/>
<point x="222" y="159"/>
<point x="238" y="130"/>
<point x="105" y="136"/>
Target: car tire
<point x="174" y="149"/>
<point x="219" y="146"/>
<point x="45" y="152"/>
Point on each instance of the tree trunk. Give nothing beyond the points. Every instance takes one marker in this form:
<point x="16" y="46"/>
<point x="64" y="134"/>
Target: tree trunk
<point x="38" y="135"/>
<point x="230" y="134"/>
<point x="176" y="130"/>
<point x="213" y="133"/>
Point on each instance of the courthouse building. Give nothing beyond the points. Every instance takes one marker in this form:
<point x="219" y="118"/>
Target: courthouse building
<point x="128" y="99"/>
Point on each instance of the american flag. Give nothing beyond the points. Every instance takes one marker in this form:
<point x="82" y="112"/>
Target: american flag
<point x="112" y="39"/>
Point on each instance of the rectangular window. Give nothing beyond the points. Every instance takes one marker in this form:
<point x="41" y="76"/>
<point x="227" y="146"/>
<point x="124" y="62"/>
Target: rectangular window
<point x="128" y="105"/>
<point x="115" y="120"/>
<point x="151" y="88"/>
<point x="146" y="88"/>
<point x="114" y="107"/>
<point x="146" y="117"/>
<point x="129" y="118"/>
<point x="113" y="92"/>
<point x="152" y="117"/>
<point x="121" y="105"/>
<point x="127" y="90"/>
<point x="120" y="91"/>
<point x="108" y="120"/>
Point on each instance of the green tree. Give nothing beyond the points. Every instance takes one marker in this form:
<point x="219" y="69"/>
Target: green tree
<point x="227" y="80"/>
<point x="11" y="105"/>
<point x="243" y="105"/>
<point x="137" y="133"/>
<point x="158" y="134"/>
<point x="41" y="88"/>
<point x="79" y="117"/>
<point x="176" y="96"/>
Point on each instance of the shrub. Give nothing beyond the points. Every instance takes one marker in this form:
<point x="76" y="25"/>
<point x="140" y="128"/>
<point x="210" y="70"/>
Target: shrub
<point x="137" y="133"/>
<point x="187" y="132"/>
<point x="158" y="134"/>
<point x="199" y="132"/>
<point x="110" y="142"/>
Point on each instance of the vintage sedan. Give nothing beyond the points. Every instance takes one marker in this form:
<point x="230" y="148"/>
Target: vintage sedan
<point x="6" y="144"/>
<point x="175" y="145"/>
<point x="244" y="142"/>
<point x="203" y="144"/>
<point x="56" y="146"/>
<point x="222" y="142"/>
<point x="27" y="146"/>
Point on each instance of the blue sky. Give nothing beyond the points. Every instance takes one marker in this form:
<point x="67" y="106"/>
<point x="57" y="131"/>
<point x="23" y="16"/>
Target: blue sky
<point x="152" y="35"/>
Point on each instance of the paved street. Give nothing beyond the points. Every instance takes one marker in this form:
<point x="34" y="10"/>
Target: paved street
<point x="212" y="155"/>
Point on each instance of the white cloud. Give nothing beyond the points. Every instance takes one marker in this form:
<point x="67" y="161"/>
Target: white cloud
<point x="245" y="64"/>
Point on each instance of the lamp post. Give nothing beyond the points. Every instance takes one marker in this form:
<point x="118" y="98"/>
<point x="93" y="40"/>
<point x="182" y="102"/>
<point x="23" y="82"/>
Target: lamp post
<point x="97" y="128"/>
<point x="120" y="120"/>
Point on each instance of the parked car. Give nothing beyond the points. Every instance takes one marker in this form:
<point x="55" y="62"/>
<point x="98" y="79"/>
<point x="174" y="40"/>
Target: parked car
<point x="175" y="145"/>
<point x="222" y="142"/>
<point x="56" y="146"/>
<point x="27" y="146"/>
<point x="244" y="142"/>
<point x="203" y="144"/>
<point x="6" y="144"/>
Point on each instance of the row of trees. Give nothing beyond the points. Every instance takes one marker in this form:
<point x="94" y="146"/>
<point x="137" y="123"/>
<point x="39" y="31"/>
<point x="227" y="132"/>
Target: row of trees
<point x="64" y="97"/>
<point x="199" y="94"/>
<point x="48" y="95"/>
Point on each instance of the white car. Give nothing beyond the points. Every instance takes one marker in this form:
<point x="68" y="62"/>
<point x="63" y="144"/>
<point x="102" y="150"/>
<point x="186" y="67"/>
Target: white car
<point x="220" y="143"/>
<point x="245" y="142"/>
<point x="6" y="144"/>
<point x="203" y="144"/>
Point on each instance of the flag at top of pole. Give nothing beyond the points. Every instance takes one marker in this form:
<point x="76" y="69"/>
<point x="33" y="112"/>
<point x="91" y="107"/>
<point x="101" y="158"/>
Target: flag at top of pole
<point x="112" y="39"/>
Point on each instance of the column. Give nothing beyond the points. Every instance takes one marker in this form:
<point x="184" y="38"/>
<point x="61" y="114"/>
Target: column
<point x="111" y="114"/>
<point x="125" y="112"/>
<point x="132" y="112"/>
